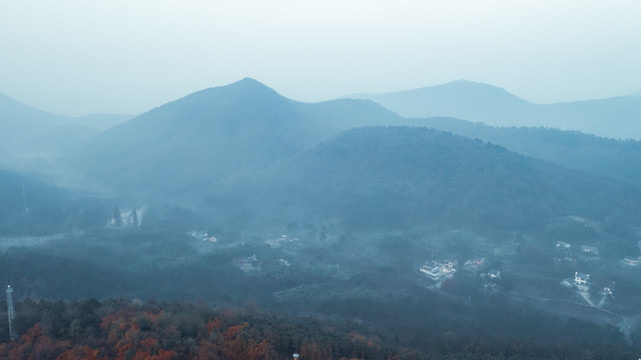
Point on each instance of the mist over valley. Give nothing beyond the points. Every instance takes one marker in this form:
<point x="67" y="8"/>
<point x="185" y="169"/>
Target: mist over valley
<point x="375" y="234"/>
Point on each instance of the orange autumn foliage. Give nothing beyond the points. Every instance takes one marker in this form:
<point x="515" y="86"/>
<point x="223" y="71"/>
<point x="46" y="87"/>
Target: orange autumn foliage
<point x="173" y="331"/>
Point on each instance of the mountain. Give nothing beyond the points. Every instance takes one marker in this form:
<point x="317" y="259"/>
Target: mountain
<point x="400" y="177"/>
<point x="26" y="129"/>
<point x="350" y="113"/>
<point x="604" y="157"/>
<point x="214" y="137"/>
<point x="460" y="99"/>
<point x="617" y="117"/>
<point x="99" y="121"/>
<point x="248" y="151"/>
<point x="201" y="140"/>
<point x="636" y="93"/>
<point x="18" y="122"/>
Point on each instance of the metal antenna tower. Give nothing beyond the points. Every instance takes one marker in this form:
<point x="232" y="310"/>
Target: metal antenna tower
<point x="24" y="198"/>
<point x="11" y="312"/>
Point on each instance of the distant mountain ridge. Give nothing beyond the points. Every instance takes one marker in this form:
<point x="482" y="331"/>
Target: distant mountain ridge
<point x="24" y="128"/>
<point x="400" y="177"/>
<point x="213" y="136"/>
<point x="206" y="137"/>
<point x="447" y="97"/>
<point x="617" y="117"/>
<point x="605" y="157"/>
<point x="246" y="152"/>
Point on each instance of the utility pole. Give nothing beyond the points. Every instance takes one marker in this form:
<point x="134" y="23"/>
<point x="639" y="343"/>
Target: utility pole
<point x="11" y="312"/>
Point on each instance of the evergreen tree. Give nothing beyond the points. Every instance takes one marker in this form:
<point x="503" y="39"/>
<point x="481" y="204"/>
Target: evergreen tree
<point x="117" y="217"/>
<point x="134" y="218"/>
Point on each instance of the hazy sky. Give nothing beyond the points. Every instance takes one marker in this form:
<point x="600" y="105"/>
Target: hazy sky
<point x="83" y="56"/>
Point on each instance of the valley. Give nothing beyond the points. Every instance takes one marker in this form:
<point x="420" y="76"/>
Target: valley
<point x="413" y="231"/>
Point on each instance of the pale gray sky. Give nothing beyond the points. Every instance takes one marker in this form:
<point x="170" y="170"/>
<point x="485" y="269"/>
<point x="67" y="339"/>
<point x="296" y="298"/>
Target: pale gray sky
<point x="123" y="56"/>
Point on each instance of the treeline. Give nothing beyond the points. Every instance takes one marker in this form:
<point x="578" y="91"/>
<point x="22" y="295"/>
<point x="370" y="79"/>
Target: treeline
<point x="399" y="177"/>
<point x="131" y="330"/>
<point x="117" y="329"/>
<point x="604" y="157"/>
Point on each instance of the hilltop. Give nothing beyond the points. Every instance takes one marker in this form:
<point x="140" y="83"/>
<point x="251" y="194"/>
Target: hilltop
<point x="402" y="176"/>
<point x="616" y="117"/>
<point x="211" y="137"/>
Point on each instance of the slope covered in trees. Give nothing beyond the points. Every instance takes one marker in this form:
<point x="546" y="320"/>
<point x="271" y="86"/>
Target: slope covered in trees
<point x="239" y="146"/>
<point x="213" y="137"/>
<point x="121" y="330"/>
<point x="205" y="138"/>
<point x="619" y="160"/>
<point x="402" y="176"/>
<point x="31" y="207"/>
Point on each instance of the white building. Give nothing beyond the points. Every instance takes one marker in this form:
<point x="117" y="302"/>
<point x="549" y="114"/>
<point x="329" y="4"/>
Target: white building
<point x="581" y="278"/>
<point x="432" y="271"/>
<point x="436" y="270"/>
<point x="494" y="274"/>
<point x="589" y="250"/>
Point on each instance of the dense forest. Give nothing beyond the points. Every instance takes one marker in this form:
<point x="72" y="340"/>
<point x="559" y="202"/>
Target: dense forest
<point x="118" y="329"/>
<point x="605" y="157"/>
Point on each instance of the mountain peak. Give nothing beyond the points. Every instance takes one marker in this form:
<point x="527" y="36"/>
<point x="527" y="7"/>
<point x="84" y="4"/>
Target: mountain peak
<point x="466" y="82"/>
<point x="468" y="87"/>
<point x="246" y="88"/>
<point x="248" y="84"/>
<point x="464" y="99"/>
<point x="249" y="80"/>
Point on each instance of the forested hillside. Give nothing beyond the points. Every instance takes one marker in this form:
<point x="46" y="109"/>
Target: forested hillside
<point x="406" y="176"/>
<point x="164" y="331"/>
<point x="31" y="207"/>
<point x="616" y="159"/>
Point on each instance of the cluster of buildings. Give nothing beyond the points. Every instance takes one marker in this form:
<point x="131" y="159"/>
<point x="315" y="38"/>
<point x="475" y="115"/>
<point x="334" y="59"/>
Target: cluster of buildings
<point x="581" y="281"/>
<point x="202" y="235"/>
<point x="438" y="270"/>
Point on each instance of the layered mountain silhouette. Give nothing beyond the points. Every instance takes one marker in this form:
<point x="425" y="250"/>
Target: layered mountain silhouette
<point x="604" y="157"/>
<point x="350" y="113"/>
<point x="244" y="150"/>
<point x="617" y="117"/>
<point x="27" y="129"/>
<point x="404" y="175"/>
<point x="217" y="135"/>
